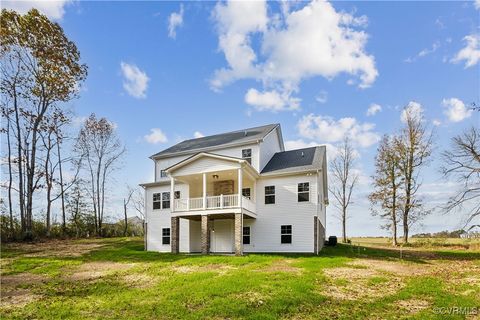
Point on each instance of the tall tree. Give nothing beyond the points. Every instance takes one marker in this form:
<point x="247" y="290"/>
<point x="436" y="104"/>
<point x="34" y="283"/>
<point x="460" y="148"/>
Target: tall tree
<point x="40" y="68"/>
<point x="101" y="149"/>
<point x="414" y="147"/>
<point x="126" y="201"/>
<point x="385" y="198"/>
<point x="462" y="163"/>
<point x="344" y="180"/>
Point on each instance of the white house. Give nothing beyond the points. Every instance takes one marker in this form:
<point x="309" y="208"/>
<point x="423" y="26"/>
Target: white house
<point x="237" y="192"/>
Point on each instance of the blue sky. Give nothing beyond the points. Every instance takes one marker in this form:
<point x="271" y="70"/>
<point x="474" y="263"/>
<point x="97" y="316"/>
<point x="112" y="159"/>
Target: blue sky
<point x="314" y="67"/>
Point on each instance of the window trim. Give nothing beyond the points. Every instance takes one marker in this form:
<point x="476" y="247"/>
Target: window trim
<point x="249" y="159"/>
<point x="303" y="192"/>
<point x="286" y="233"/>
<point x="249" y="235"/>
<point x="163" y="174"/>
<point x="269" y="195"/>
<point x="166" y="238"/>
<point x="159" y="201"/>
<point x="249" y="193"/>
<point x="166" y="200"/>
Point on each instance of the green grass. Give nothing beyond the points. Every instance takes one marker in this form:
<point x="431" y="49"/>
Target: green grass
<point x="129" y="283"/>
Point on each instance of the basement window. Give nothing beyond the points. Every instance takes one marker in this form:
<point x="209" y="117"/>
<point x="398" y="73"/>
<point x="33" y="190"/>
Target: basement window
<point x="246" y="235"/>
<point x="286" y="234"/>
<point x="303" y="192"/>
<point x="156" y="201"/>
<point x="247" y="155"/>
<point x="269" y="194"/>
<point x="166" y="236"/>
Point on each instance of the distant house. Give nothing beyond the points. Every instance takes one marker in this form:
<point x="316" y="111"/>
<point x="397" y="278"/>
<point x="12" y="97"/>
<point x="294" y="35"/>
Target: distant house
<point x="473" y="232"/>
<point x="237" y="192"/>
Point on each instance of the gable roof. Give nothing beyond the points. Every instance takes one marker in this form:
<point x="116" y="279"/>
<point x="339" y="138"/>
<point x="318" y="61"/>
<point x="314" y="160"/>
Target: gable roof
<point x="238" y="137"/>
<point x="296" y="160"/>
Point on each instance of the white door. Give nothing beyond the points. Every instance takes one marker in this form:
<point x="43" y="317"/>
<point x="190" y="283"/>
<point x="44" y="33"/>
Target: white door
<point x="222" y="236"/>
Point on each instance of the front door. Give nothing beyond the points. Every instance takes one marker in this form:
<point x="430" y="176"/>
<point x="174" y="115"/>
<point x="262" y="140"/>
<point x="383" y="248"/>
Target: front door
<point x="221" y="236"/>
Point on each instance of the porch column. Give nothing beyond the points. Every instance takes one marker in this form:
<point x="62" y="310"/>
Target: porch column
<point x="205" y="234"/>
<point x="238" y="234"/>
<point x="172" y="194"/>
<point x="204" y="191"/>
<point x="175" y="234"/>
<point x="240" y="186"/>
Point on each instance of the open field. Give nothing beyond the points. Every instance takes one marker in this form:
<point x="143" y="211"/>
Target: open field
<point x="116" y="279"/>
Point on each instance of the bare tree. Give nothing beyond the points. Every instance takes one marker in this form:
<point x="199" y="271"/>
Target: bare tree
<point x="7" y="131"/>
<point x="462" y="163"/>
<point x="414" y="147"/>
<point x="126" y="201"/>
<point x="101" y="149"/>
<point x="344" y="180"/>
<point x="385" y="198"/>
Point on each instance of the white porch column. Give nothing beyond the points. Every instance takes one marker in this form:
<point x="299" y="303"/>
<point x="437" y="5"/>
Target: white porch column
<point x="240" y="186"/>
<point x="204" y="191"/>
<point x="172" y="194"/>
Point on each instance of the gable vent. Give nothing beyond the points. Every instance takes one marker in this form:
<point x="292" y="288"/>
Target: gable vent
<point x="303" y="154"/>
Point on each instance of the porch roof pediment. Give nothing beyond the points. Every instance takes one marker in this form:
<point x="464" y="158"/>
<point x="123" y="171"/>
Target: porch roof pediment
<point x="201" y="156"/>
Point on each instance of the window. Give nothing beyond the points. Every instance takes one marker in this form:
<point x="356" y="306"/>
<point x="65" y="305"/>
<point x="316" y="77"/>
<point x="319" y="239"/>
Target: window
<point x="165" y="200"/>
<point x="246" y="192"/>
<point x="176" y="195"/>
<point x="269" y="194"/>
<point x="246" y="235"/>
<point x="286" y="234"/>
<point x="247" y="155"/>
<point x="163" y="174"/>
<point x="303" y="191"/>
<point x="166" y="236"/>
<point x="156" y="201"/>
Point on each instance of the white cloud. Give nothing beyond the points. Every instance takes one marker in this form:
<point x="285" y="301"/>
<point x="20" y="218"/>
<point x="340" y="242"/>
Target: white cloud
<point x="175" y="20"/>
<point x="414" y="109"/>
<point x="424" y="52"/>
<point x="156" y="136"/>
<point x="271" y="100"/>
<point x="477" y="4"/>
<point x="373" y="109"/>
<point x="436" y="122"/>
<point x="326" y="43"/>
<point x="332" y="151"/>
<point x="135" y="80"/>
<point x="52" y="9"/>
<point x="456" y="110"/>
<point x="470" y="53"/>
<point x="324" y="128"/>
<point x="322" y="97"/>
<point x="198" y="134"/>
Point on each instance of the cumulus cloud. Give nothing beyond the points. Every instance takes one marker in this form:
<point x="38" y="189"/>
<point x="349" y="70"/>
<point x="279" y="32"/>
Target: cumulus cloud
<point x="477" y="4"/>
<point x="413" y="109"/>
<point x="322" y="97"/>
<point x="155" y="136"/>
<point x="52" y="9"/>
<point x="327" y="129"/>
<point x="271" y="100"/>
<point x="326" y="43"/>
<point x="135" y="80"/>
<point x="470" y="53"/>
<point x="198" y="134"/>
<point x="374" y="109"/>
<point x="436" y="122"/>
<point x="456" y="110"/>
<point x="424" y="52"/>
<point x="175" y="20"/>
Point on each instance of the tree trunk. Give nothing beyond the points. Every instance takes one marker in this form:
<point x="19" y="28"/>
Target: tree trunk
<point x="344" y="225"/>
<point x="126" y="220"/>
<point x="21" y="192"/>
<point x="62" y="191"/>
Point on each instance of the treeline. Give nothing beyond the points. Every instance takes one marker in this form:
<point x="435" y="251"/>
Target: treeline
<point x="49" y="167"/>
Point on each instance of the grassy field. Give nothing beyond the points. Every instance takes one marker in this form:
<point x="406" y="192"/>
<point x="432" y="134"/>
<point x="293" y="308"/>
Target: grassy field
<point x="116" y="279"/>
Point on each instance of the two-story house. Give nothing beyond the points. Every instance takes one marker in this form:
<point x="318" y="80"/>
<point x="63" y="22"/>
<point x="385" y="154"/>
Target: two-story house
<point x="237" y="192"/>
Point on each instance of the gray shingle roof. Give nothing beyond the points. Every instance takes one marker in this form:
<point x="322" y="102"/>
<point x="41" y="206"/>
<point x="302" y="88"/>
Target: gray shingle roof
<point x="295" y="160"/>
<point x="209" y="142"/>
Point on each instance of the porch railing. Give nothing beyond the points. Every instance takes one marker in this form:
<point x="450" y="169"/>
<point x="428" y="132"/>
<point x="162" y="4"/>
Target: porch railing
<point x="213" y="202"/>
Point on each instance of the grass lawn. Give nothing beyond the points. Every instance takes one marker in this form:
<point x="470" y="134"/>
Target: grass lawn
<point x="116" y="279"/>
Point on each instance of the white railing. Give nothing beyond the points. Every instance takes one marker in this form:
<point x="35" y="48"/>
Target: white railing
<point x="213" y="202"/>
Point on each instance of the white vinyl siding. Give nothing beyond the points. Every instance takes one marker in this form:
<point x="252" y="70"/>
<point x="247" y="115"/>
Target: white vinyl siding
<point x="268" y="147"/>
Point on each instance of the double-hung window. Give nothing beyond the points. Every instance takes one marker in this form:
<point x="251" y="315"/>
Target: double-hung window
<point x="163" y="174"/>
<point x="246" y="192"/>
<point x="286" y="234"/>
<point x="166" y="236"/>
<point x="165" y="200"/>
<point x="246" y="235"/>
<point x="303" y="192"/>
<point x="247" y="155"/>
<point x="269" y="194"/>
<point x="157" y="201"/>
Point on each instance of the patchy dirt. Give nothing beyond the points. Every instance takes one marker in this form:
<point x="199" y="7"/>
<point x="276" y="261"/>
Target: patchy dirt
<point x="413" y="305"/>
<point x="17" y="298"/>
<point x="218" y="268"/>
<point x="139" y="281"/>
<point x="12" y="295"/>
<point x="25" y="278"/>
<point x="350" y="273"/>
<point x="395" y="267"/>
<point x="55" y="248"/>
<point x="254" y="299"/>
<point x="95" y="270"/>
<point x="282" y="266"/>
